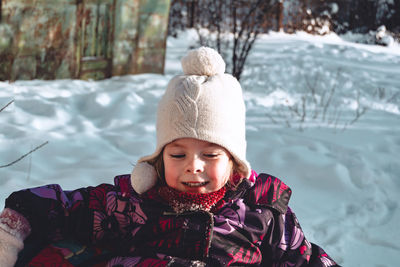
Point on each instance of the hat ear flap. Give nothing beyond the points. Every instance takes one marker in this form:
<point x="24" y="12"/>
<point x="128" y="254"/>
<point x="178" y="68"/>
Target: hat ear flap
<point x="143" y="177"/>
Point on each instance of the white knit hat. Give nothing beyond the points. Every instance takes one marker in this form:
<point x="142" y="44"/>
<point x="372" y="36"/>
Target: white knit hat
<point x="206" y="104"/>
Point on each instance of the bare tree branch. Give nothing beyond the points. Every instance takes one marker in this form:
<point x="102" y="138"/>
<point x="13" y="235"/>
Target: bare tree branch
<point x="23" y="156"/>
<point x="234" y="24"/>
<point x="331" y="93"/>
<point x="360" y="110"/>
<point x="393" y="97"/>
<point x="9" y="103"/>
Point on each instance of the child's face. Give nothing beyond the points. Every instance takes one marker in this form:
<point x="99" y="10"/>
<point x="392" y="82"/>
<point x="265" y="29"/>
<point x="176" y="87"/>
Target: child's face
<point x="196" y="166"/>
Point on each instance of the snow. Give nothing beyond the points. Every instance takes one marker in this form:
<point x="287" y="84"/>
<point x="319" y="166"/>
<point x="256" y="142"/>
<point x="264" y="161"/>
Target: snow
<point x="345" y="176"/>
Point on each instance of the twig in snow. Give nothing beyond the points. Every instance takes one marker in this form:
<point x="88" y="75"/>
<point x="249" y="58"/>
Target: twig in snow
<point x="393" y="97"/>
<point x="9" y="103"/>
<point x="360" y="110"/>
<point x="331" y="93"/>
<point x="23" y="156"/>
<point x="29" y="166"/>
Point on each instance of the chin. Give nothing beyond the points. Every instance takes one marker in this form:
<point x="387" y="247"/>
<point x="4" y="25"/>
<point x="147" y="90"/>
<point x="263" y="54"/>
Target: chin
<point x="196" y="190"/>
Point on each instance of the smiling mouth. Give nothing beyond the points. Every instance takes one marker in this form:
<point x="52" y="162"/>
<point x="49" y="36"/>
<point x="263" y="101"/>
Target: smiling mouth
<point x="195" y="184"/>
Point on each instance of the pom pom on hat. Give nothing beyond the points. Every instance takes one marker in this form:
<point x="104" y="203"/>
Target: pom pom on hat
<point x="143" y="177"/>
<point x="203" y="61"/>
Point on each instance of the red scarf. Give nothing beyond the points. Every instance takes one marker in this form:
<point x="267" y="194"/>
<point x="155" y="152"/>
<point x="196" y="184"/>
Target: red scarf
<point x="183" y="201"/>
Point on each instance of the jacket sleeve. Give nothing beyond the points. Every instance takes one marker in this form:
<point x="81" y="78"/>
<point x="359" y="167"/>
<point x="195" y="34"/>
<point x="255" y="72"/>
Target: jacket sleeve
<point x="54" y="214"/>
<point x="286" y="244"/>
<point x="145" y="262"/>
<point x="289" y="247"/>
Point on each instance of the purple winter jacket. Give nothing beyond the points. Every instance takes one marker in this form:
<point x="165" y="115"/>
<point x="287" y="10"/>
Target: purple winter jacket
<point x="255" y="226"/>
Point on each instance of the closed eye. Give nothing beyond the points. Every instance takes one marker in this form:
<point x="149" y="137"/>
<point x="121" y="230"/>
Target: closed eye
<point x="177" y="156"/>
<point x="212" y="155"/>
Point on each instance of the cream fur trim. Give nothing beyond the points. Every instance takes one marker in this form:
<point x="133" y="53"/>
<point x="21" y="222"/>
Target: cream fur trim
<point x="10" y="246"/>
<point x="14" y="223"/>
<point x="14" y="228"/>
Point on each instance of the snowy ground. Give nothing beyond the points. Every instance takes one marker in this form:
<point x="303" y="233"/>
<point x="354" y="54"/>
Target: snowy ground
<point x="345" y="176"/>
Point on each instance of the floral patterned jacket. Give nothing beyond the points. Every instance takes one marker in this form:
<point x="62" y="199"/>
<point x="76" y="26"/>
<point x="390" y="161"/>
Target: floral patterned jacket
<point x="255" y="226"/>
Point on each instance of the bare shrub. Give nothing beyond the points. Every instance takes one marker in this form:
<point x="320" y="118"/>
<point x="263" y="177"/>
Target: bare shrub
<point x="318" y="105"/>
<point x="232" y="27"/>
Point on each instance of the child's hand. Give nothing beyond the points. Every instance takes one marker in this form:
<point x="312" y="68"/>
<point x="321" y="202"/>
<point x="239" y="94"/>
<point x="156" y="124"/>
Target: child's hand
<point x="9" y="247"/>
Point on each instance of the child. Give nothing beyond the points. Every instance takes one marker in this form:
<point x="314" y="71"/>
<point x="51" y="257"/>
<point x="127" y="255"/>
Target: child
<point x="194" y="202"/>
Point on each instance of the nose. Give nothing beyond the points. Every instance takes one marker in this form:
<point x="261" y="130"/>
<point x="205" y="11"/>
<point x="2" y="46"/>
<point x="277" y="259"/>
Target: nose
<point x="195" y="165"/>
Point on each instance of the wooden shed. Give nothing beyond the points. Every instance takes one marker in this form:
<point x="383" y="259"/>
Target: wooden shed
<point x="83" y="39"/>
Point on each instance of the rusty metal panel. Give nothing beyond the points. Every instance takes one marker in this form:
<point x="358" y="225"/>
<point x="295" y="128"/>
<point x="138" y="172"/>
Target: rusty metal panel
<point x="152" y="40"/>
<point x="40" y="39"/>
<point x="88" y="39"/>
<point x="125" y="36"/>
<point x="141" y="48"/>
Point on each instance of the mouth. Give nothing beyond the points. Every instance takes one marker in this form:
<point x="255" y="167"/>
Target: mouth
<point x="194" y="184"/>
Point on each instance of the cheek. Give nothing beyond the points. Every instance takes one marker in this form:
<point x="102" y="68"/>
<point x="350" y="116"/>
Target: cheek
<point x="224" y="171"/>
<point x="170" y="180"/>
<point x="168" y="172"/>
